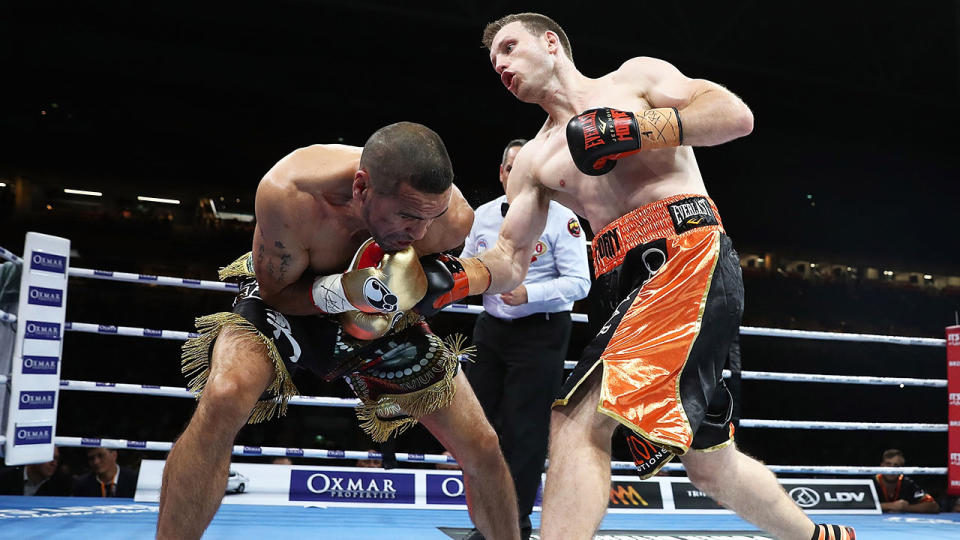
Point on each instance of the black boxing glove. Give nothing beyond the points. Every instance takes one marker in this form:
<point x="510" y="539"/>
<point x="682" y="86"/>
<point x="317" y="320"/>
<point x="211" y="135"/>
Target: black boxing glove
<point x="450" y="279"/>
<point x="597" y="138"/>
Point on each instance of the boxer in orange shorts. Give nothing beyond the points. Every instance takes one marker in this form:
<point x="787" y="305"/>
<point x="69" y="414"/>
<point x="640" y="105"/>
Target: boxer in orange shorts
<point x="669" y="262"/>
<point x="618" y="150"/>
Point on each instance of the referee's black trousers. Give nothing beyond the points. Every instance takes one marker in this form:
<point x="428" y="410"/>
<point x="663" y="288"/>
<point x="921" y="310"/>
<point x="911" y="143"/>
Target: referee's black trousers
<point x="516" y="376"/>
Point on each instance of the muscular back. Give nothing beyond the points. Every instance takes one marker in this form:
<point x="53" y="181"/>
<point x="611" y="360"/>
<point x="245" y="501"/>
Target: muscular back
<point x="309" y="224"/>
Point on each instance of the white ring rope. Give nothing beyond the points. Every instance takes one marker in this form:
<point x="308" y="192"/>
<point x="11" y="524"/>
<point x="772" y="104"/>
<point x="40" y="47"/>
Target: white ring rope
<point x="472" y="309"/>
<point x="840" y="336"/>
<point x="843" y="426"/>
<point x="238" y="450"/>
<point x="569" y="364"/>
<point x="10" y="256"/>
<point x="131" y="331"/>
<point x="153" y="280"/>
<point x="318" y="401"/>
<point x="7" y="317"/>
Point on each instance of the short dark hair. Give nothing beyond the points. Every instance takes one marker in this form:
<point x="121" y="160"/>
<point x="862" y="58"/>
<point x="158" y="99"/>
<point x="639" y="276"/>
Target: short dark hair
<point x="511" y="144"/>
<point x="892" y="453"/>
<point x="535" y="23"/>
<point x="410" y="153"/>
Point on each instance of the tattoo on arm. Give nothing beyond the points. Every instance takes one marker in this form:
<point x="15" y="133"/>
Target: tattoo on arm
<point x="284" y="264"/>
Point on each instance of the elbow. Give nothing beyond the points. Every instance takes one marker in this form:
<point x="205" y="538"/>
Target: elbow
<point x="744" y="120"/>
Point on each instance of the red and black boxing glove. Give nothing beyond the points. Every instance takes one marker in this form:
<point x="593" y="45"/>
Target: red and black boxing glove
<point x="597" y="138"/>
<point x="450" y="279"/>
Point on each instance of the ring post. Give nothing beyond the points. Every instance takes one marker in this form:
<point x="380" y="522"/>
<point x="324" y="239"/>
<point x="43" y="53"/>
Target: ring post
<point x="953" y="409"/>
<point x="31" y="419"/>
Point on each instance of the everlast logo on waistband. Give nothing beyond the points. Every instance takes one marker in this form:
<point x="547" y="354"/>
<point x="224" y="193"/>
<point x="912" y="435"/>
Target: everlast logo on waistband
<point x="607" y="245"/>
<point x="691" y="213"/>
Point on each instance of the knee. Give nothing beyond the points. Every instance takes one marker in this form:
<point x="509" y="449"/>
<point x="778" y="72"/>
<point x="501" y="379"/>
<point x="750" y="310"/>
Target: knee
<point x="484" y="449"/>
<point x="228" y="397"/>
<point x="708" y="479"/>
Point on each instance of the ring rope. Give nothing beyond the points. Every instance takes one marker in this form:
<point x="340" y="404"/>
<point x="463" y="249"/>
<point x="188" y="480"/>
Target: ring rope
<point x="843" y="426"/>
<point x="131" y="331"/>
<point x="10" y="256"/>
<point x="318" y="401"/>
<point x="153" y="280"/>
<point x="7" y="317"/>
<point x="473" y="309"/>
<point x="840" y="336"/>
<point x="746" y="375"/>
<point x="238" y="450"/>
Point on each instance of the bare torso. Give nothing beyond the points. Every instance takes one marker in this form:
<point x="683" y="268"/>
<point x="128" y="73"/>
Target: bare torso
<point x="309" y="223"/>
<point x="636" y="180"/>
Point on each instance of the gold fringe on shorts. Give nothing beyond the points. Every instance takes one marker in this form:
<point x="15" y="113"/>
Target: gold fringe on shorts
<point x="411" y="406"/>
<point x="195" y="355"/>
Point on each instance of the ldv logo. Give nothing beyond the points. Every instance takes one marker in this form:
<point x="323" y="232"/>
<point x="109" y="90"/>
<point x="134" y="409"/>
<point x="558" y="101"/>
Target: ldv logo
<point x="843" y="496"/>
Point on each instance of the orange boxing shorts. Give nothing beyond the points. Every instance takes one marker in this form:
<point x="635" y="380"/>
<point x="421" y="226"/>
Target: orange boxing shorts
<point x="670" y="289"/>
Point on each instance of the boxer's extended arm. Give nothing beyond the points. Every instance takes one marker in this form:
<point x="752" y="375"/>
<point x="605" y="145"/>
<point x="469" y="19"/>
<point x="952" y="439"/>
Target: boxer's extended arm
<point x="509" y="260"/>
<point x="501" y="268"/>
<point x="683" y="111"/>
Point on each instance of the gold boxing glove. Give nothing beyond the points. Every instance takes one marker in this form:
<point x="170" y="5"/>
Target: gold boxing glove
<point x="375" y="282"/>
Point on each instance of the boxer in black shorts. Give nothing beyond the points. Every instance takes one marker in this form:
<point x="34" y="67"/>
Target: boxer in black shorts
<point x="317" y="271"/>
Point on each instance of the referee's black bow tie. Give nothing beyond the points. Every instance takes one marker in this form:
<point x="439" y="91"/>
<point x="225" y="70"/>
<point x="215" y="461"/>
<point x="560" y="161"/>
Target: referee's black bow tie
<point x="503" y="208"/>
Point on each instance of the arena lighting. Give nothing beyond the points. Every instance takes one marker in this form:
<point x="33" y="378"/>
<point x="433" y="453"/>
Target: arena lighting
<point x="927" y="276"/>
<point x="813" y="265"/>
<point x="82" y="192"/>
<point x="157" y="200"/>
<point x="888" y="272"/>
<point x="3" y="184"/>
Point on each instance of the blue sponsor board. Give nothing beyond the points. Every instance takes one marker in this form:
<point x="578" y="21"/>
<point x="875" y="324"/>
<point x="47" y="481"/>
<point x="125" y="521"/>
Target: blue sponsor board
<point x="252" y="450"/>
<point x="104" y="273"/>
<point x="33" y="435"/>
<point x="446" y="489"/>
<point x="295" y="452"/>
<point x="40" y="365"/>
<point x="106" y="329"/>
<point x="42" y="296"/>
<point x="336" y="454"/>
<point x="42" y="330"/>
<point x="88" y="441"/>
<point x="136" y="444"/>
<point x="31" y="399"/>
<point x="48" y="262"/>
<point x="149" y="332"/>
<point x="328" y="485"/>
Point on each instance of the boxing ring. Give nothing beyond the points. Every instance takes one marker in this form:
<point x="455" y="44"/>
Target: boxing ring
<point x="59" y="517"/>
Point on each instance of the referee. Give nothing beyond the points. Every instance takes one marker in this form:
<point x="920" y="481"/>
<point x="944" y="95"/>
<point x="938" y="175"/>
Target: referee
<point x="522" y="338"/>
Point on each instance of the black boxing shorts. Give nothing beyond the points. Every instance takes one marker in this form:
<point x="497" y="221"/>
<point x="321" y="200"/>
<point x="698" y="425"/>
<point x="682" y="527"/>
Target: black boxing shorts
<point x="398" y="378"/>
<point x="672" y="292"/>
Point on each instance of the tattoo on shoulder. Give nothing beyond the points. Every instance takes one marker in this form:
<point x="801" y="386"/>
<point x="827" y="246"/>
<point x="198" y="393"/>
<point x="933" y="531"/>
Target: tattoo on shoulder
<point x="279" y="244"/>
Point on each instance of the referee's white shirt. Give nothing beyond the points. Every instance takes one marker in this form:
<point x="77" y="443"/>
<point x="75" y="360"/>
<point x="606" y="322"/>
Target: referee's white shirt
<point x="559" y="274"/>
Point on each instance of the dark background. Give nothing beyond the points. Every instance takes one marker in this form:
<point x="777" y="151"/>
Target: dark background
<point x="852" y="160"/>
